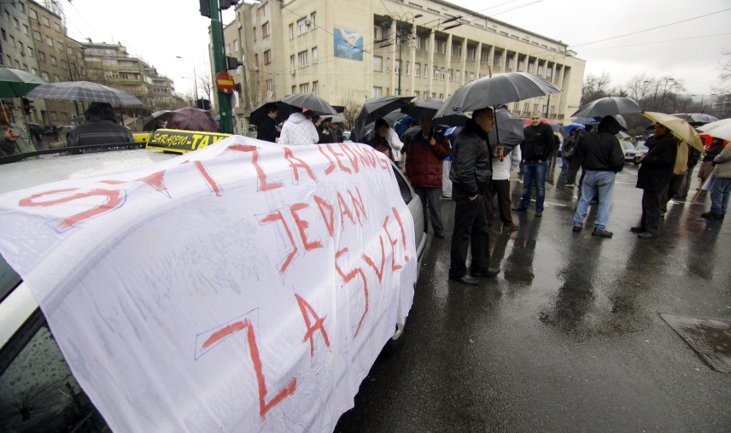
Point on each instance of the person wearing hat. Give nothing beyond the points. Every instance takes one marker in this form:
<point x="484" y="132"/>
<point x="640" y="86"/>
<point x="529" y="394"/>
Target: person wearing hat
<point x="656" y="171"/>
<point x="299" y="129"/>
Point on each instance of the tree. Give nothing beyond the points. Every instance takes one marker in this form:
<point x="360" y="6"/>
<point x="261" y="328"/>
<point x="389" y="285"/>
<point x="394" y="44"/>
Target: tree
<point x="595" y="87"/>
<point x="351" y="111"/>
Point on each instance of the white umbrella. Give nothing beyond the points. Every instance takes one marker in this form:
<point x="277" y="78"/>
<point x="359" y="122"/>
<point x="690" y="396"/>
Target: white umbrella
<point x="719" y="129"/>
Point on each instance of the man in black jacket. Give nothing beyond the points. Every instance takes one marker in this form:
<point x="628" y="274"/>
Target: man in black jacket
<point x="537" y="147"/>
<point x="267" y="129"/>
<point x="470" y="175"/>
<point x="654" y="174"/>
<point x="603" y="158"/>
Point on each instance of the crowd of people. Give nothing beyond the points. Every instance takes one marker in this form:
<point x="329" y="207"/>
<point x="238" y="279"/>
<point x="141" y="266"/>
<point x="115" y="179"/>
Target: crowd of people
<point x="479" y="172"/>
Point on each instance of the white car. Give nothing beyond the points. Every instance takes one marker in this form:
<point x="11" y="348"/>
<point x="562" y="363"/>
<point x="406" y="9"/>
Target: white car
<point x="39" y="392"/>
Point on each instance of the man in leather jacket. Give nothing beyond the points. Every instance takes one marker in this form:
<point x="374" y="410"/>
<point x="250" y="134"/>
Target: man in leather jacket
<point x="470" y="175"/>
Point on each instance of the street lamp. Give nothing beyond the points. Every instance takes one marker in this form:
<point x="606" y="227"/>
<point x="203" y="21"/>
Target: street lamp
<point x="195" y="79"/>
<point x="398" y="39"/>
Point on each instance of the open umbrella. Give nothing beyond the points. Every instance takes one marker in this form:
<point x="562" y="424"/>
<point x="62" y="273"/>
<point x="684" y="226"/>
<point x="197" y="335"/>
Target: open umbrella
<point x="719" y="129"/>
<point x="421" y="108"/>
<point x="508" y="130"/>
<point x="586" y="120"/>
<point x="608" y="106"/>
<point x="696" y="119"/>
<point x="335" y="118"/>
<point x="15" y="83"/>
<point x="570" y="127"/>
<point x="83" y="91"/>
<point x="156" y="117"/>
<point x="309" y="101"/>
<point x="192" y="119"/>
<point x="496" y="90"/>
<point x="679" y="127"/>
<point x="377" y="107"/>
<point x="283" y="111"/>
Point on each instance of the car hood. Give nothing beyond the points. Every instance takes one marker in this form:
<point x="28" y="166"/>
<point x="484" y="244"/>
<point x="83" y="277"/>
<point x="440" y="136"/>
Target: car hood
<point x="46" y="169"/>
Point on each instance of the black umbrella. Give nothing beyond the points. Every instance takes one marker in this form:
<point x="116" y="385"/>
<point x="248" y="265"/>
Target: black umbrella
<point x="422" y="108"/>
<point x="608" y="106"/>
<point x="496" y="90"/>
<point x="508" y="130"/>
<point x="83" y="91"/>
<point x="696" y="119"/>
<point x="155" y="118"/>
<point x="309" y="101"/>
<point x="391" y="118"/>
<point x="283" y="111"/>
<point x="377" y="107"/>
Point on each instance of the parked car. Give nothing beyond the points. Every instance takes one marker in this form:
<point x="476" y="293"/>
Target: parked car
<point x="630" y="152"/>
<point x="39" y="392"/>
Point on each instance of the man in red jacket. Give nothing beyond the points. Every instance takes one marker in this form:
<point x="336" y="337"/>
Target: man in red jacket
<point x="424" y="157"/>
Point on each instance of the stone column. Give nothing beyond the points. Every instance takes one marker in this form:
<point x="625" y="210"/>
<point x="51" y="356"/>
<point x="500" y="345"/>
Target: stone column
<point x="462" y="78"/>
<point x="478" y="59"/>
<point x="431" y="62"/>
<point x="448" y="65"/>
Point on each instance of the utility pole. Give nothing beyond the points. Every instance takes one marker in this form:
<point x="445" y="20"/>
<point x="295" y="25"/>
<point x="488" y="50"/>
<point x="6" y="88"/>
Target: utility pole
<point x="219" y="61"/>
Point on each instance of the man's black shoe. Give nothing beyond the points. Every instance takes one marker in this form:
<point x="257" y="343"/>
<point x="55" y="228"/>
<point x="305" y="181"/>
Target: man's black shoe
<point x="638" y="229"/>
<point x="577" y="228"/>
<point x="520" y="209"/>
<point x="489" y="273"/>
<point x="466" y="279"/>
<point x="712" y="215"/>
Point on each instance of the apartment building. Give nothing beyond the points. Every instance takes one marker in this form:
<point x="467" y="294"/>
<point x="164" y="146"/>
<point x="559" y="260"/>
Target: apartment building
<point x="350" y="50"/>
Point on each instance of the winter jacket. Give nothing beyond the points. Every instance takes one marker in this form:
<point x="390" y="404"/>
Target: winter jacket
<point x="424" y="161"/>
<point x="471" y="162"/>
<point x="267" y="130"/>
<point x="722" y="164"/>
<point x="297" y="130"/>
<point x="381" y="144"/>
<point x="538" y="142"/>
<point x="657" y="166"/>
<point x="501" y="169"/>
<point x="395" y="143"/>
<point x="602" y="151"/>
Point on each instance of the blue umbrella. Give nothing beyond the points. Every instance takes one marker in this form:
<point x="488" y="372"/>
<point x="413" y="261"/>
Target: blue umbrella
<point x="570" y="127"/>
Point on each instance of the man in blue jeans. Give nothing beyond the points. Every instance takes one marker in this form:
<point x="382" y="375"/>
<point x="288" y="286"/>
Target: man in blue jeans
<point x="536" y="147"/>
<point x="603" y="158"/>
<point x="721" y="185"/>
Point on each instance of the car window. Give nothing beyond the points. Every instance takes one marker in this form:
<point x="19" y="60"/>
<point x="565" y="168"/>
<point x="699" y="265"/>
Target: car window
<point x="37" y="391"/>
<point x="8" y="279"/>
<point x="403" y="185"/>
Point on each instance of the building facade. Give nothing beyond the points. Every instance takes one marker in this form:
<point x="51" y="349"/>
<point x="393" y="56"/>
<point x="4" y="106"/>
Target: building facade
<point x="347" y="51"/>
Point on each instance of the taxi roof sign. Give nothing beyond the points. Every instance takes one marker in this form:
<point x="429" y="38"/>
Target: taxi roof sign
<point x="180" y="141"/>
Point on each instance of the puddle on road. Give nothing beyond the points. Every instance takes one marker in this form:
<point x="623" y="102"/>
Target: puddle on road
<point x="710" y="339"/>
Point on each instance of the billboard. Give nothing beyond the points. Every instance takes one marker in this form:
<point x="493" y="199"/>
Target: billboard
<point x="348" y="44"/>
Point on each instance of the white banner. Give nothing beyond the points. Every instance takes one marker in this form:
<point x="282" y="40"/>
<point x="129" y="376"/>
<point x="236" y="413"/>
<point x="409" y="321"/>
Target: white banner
<point x="243" y="287"/>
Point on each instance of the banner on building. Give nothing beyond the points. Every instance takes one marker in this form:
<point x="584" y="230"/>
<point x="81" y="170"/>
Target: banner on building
<point x="242" y="287"/>
<point x="348" y="44"/>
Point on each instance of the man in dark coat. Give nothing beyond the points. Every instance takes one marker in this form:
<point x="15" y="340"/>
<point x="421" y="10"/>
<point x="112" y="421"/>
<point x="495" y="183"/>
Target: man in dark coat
<point x="537" y="148"/>
<point x="470" y="175"/>
<point x="654" y="174"/>
<point x="267" y="129"/>
<point x="603" y="159"/>
<point x="424" y="156"/>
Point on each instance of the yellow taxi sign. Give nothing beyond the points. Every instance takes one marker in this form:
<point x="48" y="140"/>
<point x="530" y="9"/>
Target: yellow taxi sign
<point x="177" y="140"/>
<point x="141" y="137"/>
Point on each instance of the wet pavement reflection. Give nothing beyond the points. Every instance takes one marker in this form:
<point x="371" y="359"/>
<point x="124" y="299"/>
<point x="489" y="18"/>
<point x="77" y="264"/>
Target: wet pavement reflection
<point x="569" y="336"/>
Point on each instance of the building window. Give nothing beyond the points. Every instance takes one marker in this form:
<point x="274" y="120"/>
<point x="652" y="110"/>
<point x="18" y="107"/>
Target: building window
<point x="265" y="30"/>
<point x="457" y="76"/>
<point x="315" y="87"/>
<point x="302" y="58"/>
<point x="30" y="52"/>
<point x="45" y="21"/>
<point x="267" y="57"/>
<point x="305" y="88"/>
<point x="26" y="30"/>
<point x="302" y="26"/>
<point x="256" y="59"/>
<point x="314" y="55"/>
<point x="417" y="94"/>
<point x="377" y="33"/>
<point x="42" y="57"/>
<point x="472" y="54"/>
<point x="292" y="64"/>
<point x="294" y="89"/>
<point x="313" y="19"/>
<point x="434" y="72"/>
<point x="378" y="63"/>
<point x="37" y="36"/>
<point x="417" y="67"/>
<point x="16" y="23"/>
<point x="408" y="67"/>
<point x="397" y="66"/>
<point x="49" y="41"/>
<point x="33" y="14"/>
<point x="60" y="46"/>
<point x="291" y="31"/>
<point x="377" y="92"/>
<point x="270" y="85"/>
<point x="57" y="27"/>
<point x="457" y="50"/>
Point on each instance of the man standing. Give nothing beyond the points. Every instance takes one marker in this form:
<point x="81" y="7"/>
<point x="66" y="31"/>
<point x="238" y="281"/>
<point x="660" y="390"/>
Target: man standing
<point x="721" y="185"/>
<point x="267" y="129"/>
<point x="603" y="158"/>
<point x="537" y="148"/>
<point x="470" y="175"/>
<point x="424" y="155"/>
<point x="654" y="174"/>
<point x="298" y="129"/>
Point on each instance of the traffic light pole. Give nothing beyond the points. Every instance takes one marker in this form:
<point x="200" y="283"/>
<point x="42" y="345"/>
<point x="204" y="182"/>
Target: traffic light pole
<point x="219" y="61"/>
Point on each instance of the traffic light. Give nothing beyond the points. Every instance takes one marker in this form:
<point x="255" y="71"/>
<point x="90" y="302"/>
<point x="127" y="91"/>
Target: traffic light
<point x="225" y="4"/>
<point x="205" y="8"/>
<point x="232" y="63"/>
<point x="203" y="104"/>
<point x="27" y="106"/>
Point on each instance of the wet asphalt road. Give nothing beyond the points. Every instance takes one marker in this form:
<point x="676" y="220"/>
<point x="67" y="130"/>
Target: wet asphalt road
<point x="568" y="337"/>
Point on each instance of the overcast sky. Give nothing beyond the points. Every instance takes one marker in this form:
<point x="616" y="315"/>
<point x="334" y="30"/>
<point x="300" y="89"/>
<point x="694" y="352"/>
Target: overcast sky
<point x="160" y="30"/>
